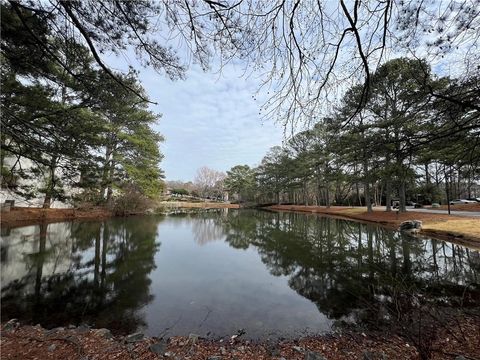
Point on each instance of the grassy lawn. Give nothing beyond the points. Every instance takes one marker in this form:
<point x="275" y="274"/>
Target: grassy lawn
<point x="467" y="227"/>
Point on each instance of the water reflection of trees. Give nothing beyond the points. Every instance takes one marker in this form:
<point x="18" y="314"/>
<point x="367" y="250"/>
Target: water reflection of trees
<point x="104" y="282"/>
<point x="98" y="272"/>
<point x="357" y="271"/>
<point x="207" y="226"/>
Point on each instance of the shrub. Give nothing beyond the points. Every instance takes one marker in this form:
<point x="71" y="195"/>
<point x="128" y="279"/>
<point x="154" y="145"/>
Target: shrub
<point x="180" y="192"/>
<point x="130" y="201"/>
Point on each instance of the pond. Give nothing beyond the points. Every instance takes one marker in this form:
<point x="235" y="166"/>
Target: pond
<point x="214" y="273"/>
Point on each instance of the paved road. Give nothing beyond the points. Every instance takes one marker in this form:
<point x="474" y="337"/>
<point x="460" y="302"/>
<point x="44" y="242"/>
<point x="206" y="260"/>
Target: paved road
<point x="455" y="213"/>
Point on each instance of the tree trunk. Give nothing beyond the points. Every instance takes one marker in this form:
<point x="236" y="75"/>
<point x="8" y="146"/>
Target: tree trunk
<point x="319" y="190"/>
<point x="379" y="194"/>
<point x="469" y="185"/>
<point x="358" y="193"/>
<point x="49" y="191"/>
<point x="338" y="195"/>
<point x="437" y="180"/>
<point x="403" y="207"/>
<point x="305" y="193"/>
<point x="47" y="201"/>
<point x="368" y="200"/>
<point x="327" y="195"/>
<point x="447" y="190"/>
<point x="106" y="171"/>
<point x="388" y="195"/>
<point x="459" y="185"/>
<point x="110" y="181"/>
<point x="427" y="174"/>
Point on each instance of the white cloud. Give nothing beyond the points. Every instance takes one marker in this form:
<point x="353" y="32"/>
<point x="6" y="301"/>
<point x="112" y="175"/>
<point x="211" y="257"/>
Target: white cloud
<point x="209" y="119"/>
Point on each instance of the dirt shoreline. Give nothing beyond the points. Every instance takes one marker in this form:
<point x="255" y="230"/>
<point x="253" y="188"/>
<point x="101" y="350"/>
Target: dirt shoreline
<point x="23" y="216"/>
<point x="34" y="342"/>
<point x="461" y="230"/>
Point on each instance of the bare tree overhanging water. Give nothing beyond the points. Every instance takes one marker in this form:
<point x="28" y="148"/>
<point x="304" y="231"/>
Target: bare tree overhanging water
<point x="306" y="52"/>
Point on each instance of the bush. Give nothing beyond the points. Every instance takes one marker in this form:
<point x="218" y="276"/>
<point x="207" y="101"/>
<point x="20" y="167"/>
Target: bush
<point x="87" y="199"/>
<point x="180" y="192"/>
<point x="131" y="201"/>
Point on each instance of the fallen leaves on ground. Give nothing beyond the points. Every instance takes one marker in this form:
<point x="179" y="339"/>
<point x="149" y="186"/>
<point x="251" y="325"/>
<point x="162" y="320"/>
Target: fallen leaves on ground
<point x="460" y="338"/>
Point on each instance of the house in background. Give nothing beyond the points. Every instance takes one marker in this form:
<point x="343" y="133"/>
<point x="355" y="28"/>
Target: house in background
<point x="26" y="191"/>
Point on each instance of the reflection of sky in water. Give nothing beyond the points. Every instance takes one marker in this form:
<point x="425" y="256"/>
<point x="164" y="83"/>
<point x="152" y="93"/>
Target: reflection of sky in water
<point x="21" y="243"/>
<point x="217" y="272"/>
<point x="218" y="288"/>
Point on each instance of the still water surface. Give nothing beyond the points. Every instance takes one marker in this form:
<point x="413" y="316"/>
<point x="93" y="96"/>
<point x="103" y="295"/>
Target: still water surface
<point x="213" y="273"/>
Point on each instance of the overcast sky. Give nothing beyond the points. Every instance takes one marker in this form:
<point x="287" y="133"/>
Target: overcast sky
<point x="213" y="120"/>
<point x="209" y="119"/>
